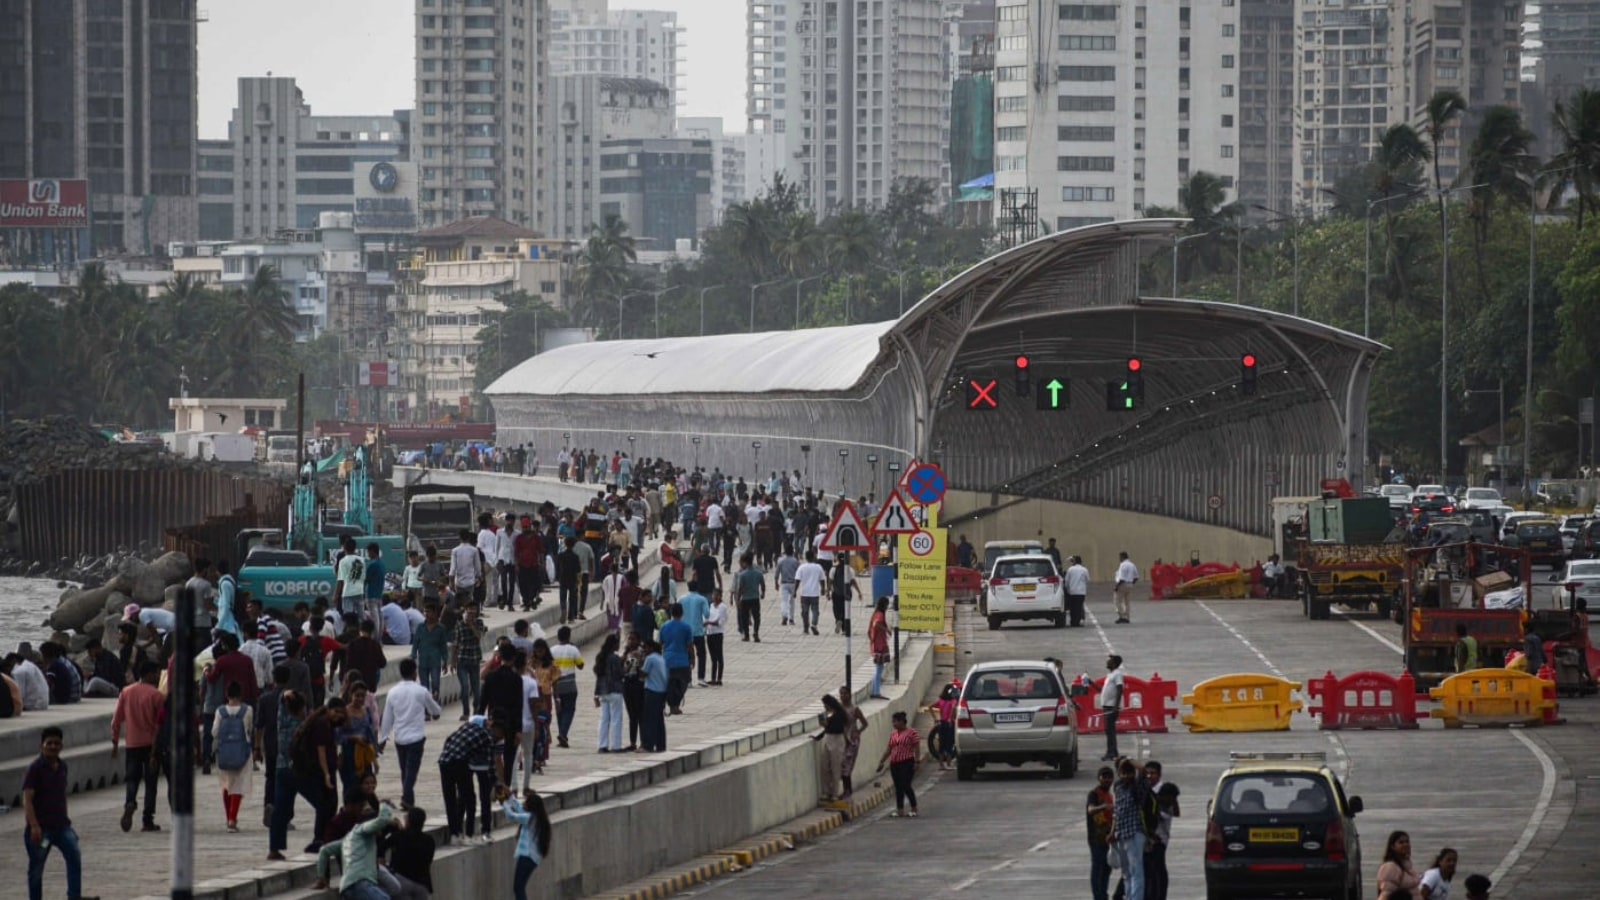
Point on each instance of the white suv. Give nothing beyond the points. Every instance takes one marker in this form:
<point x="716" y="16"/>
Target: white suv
<point x="1480" y="498"/>
<point x="1015" y="712"/>
<point x="1024" y="587"/>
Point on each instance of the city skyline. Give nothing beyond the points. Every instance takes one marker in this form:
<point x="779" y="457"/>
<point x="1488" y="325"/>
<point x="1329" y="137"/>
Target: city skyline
<point x="242" y="40"/>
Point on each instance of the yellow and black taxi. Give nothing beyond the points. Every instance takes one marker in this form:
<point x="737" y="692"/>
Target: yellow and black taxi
<point x="1280" y="825"/>
<point x="1542" y="539"/>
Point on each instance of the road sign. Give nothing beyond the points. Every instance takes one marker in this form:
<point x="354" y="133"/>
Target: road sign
<point x="845" y="532"/>
<point x="1214" y="502"/>
<point x="920" y="543"/>
<point x="982" y="394"/>
<point x="925" y="483"/>
<point x="922" y="580"/>
<point x="895" y="517"/>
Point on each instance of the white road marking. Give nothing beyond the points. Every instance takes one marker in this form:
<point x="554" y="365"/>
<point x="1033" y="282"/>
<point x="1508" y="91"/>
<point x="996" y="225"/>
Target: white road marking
<point x="1243" y="640"/>
<point x="1104" y="639"/>
<point x="1547" y="768"/>
<point x="1040" y="846"/>
<point x="1003" y="864"/>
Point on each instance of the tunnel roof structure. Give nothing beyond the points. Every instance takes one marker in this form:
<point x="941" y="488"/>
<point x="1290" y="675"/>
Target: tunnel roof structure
<point x="1197" y="447"/>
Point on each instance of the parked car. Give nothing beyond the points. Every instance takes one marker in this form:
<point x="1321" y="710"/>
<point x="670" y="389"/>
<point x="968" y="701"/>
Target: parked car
<point x="1024" y="587"/>
<point x="1570" y="526"/>
<point x="1280" y="825"/>
<point x="1480" y="498"/>
<point x="1580" y="580"/>
<point x="1015" y="712"/>
<point x="1542" y="539"/>
<point x="1508" y="526"/>
<point x="1587" y="545"/>
<point x="1398" y="495"/>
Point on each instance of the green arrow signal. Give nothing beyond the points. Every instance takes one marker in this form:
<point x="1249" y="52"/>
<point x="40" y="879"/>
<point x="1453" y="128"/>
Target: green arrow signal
<point x="1054" y="387"/>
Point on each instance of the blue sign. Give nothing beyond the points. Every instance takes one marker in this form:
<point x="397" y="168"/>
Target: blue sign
<point x="926" y="484"/>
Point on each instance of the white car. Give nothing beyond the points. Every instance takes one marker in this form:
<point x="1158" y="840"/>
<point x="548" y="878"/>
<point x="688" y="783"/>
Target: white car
<point x="1570" y="526"/>
<point x="1580" y="579"/>
<point x="1424" y="490"/>
<point x="1398" y="495"/>
<point x="1024" y="587"/>
<point x="1480" y="498"/>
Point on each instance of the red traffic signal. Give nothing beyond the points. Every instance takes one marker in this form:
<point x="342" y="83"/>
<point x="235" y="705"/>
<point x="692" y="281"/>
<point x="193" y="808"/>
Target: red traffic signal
<point x="1247" y="374"/>
<point x="1134" y="365"/>
<point x="1022" y="362"/>
<point x="1249" y="360"/>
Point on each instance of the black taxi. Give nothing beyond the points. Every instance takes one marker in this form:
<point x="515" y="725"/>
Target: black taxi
<point x="1280" y="825"/>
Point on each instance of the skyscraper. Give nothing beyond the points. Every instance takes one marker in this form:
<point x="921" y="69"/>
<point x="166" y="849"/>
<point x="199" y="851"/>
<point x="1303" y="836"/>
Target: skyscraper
<point x="477" y="139"/>
<point x="105" y="90"/>
<point x="587" y="39"/>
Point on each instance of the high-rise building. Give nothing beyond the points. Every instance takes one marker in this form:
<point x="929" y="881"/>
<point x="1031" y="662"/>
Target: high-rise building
<point x="590" y="110"/>
<point x="1266" y="104"/>
<point x="105" y="90"/>
<point x="859" y="91"/>
<point x="661" y="188"/>
<point x="587" y="39"/>
<point x="281" y="167"/>
<point x="481" y="78"/>
<point x="1559" y="56"/>
<point x="1105" y="109"/>
<point x="1370" y="64"/>
<point x="728" y="159"/>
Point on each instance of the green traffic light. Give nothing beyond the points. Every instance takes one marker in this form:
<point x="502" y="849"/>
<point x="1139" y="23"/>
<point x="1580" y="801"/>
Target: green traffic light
<point x="1055" y="387"/>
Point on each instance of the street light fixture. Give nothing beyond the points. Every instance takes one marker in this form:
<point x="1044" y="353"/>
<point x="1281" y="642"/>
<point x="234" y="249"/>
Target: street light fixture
<point x="696" y="441"/>
<point x="753" y="288"/>
<point x="1527" y="385"/>
<point x="656" y="295"/>
<point x="900" y="276"/>
<point x="709" y="287"/>
<point x="844" y="482"/>
<point x="1444" y="324"/>
<point x="620" y="298"/>
<point x="566" y="438"/>
<point x="1175" y="242"/>
<point x="1294" y="242"/>
<point x="1366" y="307"/>
<point x="798" y="283"/>
<point x="872" y="460"/>
<point x="755" y="474"/>
<point x="805" y="451"/>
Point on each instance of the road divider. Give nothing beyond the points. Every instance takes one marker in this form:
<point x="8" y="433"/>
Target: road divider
<point x="1365" y="700"/>
<point x="1146" y="705"/>
<point x="1496" y="697"/>
<point x="1240" y="703"/>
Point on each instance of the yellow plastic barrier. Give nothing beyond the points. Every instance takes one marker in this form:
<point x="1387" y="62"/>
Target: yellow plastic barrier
<point x="1222" y="586"/>
<point x="1493" y="697"/>
<point x="1249" y="702"/>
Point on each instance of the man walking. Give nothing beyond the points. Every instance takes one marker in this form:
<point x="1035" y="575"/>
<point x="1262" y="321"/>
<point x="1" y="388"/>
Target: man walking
<point x="569" y="575"/>
<point x="1077" y="578"/>
<point x="1111" y="703"/>
<point x="1127" y="574"/>
<point x="430" y="647"/>
<point x="752" y="589"/>
<point x="696" y="607"/>
<point x="1127" y="828"/>
<point x="1098" y="813"/>
<point x="466" y="656"/>
<point x="139" y="709"/>
<point x="676" y="640"/>
<point x="568" y="660"/>
<point x="785" y="581"/>
<point x="528" y="551"/>
<point x="46" y="823"/>
<point x="405" y="717"/>
<point x="808" y="582"/>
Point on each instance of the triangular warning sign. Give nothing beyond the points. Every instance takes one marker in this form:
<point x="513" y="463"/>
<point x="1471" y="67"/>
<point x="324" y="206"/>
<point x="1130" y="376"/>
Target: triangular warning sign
<point x="895" y="517"/>
<point x="845" y="531"/>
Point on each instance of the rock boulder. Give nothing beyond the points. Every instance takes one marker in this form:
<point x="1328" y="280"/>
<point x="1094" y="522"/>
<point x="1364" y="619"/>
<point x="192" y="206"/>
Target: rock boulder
<point x="78" y="607"/>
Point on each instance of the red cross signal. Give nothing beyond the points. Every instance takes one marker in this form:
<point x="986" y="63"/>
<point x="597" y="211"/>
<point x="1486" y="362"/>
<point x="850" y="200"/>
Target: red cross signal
<point x="982" y="394"/>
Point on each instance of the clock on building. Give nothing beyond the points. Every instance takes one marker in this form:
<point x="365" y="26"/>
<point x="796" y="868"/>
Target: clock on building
<point x="384" y="177"/>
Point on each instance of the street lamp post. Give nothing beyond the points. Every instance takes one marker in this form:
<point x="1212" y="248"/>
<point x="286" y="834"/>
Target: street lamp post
<point x="755" y="473"/>
<point x="1175" y="242"/>
<point x="1366" y="306"/>
<point x="805" y="451"/>
<point x="1294" y="242"/>
<point x="621" y="297"/>
<point x="900" y="277"/>
<point x="1499" y="392"/>
<point x="797" y="285"/>
<point x="1527" y="384"/>
<point x="656" y="295"/>
<point x="696" y="441"/>
<point x="753" y="288"/>
<point x="844" y="480"/>
<point x="872" y="460"/>
<point x="709" y="287"/>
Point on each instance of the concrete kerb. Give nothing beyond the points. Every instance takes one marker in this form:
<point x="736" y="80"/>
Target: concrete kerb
<point x="689" y="813"/>
<point x="87" y="725"/>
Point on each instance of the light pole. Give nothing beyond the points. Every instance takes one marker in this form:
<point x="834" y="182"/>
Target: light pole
<point x="1366" y="306"/>
<point x="630" y="448"/>
<point x="1444" y="325"/>
<point x="805" y="451"/>
<point x="656" y="296"/>
<point x="1499" y="392"/>
<point x="844" y="481"/>
<point x="696" y="441"/>
<point x="872" y="460"/>
<point x="1294" y="240"/>
<point x="753" y="288"/>
<point x="620" y="298"/>
<point x="1527" y="384"/>
<point x="755" y="473"/>
<point x="900" y="276"/>
<point x="797" y="285"/>
<point x="1175" y="242"/>
<point x="709" y="287"/>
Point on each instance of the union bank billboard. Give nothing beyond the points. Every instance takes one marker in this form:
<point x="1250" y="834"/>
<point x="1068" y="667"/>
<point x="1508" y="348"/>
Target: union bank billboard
<point x="44" y="203"/>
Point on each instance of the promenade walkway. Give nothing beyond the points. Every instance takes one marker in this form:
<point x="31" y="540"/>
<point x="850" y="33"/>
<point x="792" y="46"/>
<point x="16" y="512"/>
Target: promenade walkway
<point x="782" y="676"/>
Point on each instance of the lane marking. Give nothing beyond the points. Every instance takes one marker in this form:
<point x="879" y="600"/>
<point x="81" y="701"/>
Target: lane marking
<point x="1547" y="793"/>
<point x="1547" y="769"/>
<point x="1104" y="638"/>
<point x="997" y="867"/>
<point x="1040" y="846"/>
<point x="1243" y="640"/>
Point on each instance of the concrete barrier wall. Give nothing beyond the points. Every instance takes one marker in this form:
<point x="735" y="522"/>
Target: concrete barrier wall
<point x="1097" y="533"/>
<point x="519" y="489"/>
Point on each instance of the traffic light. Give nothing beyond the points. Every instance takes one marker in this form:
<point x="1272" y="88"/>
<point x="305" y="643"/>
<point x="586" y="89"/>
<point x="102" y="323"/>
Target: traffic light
<point x="1127" y="392"/>
<point x="1054" y="392"/>
<point x="1136" y="378"/>
<point x="1247" y="374"/>
<point x="1024" y="381"/>
<point x="980" y="393"/>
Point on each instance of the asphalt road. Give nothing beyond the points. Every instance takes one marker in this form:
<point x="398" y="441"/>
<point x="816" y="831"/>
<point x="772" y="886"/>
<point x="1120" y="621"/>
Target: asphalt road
<point x="1502" y="798"/>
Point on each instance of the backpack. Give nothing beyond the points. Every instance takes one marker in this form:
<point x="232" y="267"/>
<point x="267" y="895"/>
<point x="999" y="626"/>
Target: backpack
<point x="311" y="655"/>
<point x="233" y="744"/>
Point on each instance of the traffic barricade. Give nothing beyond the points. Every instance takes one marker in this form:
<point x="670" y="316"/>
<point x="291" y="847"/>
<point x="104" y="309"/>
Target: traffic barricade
<point x="1146" y="705"/>
<point x="1490" y="697"/>
<point x="1364" y="700"/>
<point x="962" y="585"/>
<point x="1163" y="578"/>
<point x="1243" y="702"/>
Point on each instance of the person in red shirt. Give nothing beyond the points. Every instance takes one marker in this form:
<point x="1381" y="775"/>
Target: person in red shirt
<point x="139" y="710"/>
<point x="905" y="747"/>
<point x="230" y="665"/>
<point x="528" y="549"/>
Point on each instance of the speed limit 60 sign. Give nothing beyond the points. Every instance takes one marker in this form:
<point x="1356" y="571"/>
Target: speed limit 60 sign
<point x="920" y="543"/>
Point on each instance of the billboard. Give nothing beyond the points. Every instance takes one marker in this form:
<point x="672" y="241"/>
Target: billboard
<point x="44" y="203"/>
<point x="386" y="198"/>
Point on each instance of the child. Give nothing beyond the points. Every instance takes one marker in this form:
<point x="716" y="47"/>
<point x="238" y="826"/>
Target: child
<point x="905" y="746"/>
<point x="664" y="589"/>
<point x="944" y="733"/>
<point x="411" y="578"/>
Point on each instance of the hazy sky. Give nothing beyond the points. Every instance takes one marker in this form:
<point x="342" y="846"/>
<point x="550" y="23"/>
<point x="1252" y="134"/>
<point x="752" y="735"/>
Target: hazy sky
<point x="356" y="56"/>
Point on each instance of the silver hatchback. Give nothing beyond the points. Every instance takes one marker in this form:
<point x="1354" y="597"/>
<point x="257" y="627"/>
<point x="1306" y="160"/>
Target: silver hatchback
<point x="1015" y="712"/>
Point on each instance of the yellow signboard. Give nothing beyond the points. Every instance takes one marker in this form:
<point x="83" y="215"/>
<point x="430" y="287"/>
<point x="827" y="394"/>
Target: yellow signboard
<point x="922" y="580"/>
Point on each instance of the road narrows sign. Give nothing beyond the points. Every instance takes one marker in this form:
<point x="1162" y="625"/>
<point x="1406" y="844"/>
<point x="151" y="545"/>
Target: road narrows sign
<point x="895" y="517"/>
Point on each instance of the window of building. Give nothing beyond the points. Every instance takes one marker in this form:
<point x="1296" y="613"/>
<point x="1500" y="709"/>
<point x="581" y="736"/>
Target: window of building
<point x="1227" y="60"/>
<point x="1076" y="103"/>
<point x="1227" y="90"/>
<point x="1011" y="104"/>
<point x="1010" y="163"/>
<point x="1087" y="194"/>
<point x="1227" y="151"/>
<point x="1088" y="12"/>
<point x="1013" y="13"/>
<point x="1011" y="133"/>
<point x="1011" y="73"/>
<point x="1227" y="30"/>
<point x="1014" y="42"/>
<point x="1227" y="121"/>
<point x="1086" y="73"/>
<point x="1085" y="133"/>
<point x="1065" y="222"/>
<point x="1086" y="163"/>
<point x="1087" y="42"/>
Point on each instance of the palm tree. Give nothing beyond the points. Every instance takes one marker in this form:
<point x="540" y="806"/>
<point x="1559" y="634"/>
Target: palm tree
<point x="852" y="242"/>
<point x="1501" y="159"/>
<point x="603" y="265"/>
<point x="797" y="243"/>
<point x="1200" y="200"/>
<point x="1443" y="108"/>
<point x="1397" y="160"/>
<point x="1577" y="123"/>
<point x="267" y="308"/>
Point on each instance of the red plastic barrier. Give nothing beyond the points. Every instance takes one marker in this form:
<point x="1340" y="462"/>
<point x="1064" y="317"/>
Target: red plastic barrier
<point x="962" y="585"/>
<point x="1163" y="578"/>
<point x="1146" y="706"/>
<point x="1365" y="700"/>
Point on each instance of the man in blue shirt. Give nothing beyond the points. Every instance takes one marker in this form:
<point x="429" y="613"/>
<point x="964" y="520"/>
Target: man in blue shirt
<point x="227" y="594"/>
<point x="374" y="575"/>
<point x="695" y="607"/>
<point x="676" y="638"/>
<point x="653" y="725"/>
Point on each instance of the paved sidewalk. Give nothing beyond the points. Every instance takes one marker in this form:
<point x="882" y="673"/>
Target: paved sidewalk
<point x="784" y="674"/>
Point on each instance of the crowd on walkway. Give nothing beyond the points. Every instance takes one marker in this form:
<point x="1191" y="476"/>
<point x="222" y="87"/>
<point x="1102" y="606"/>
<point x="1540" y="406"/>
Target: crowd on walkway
<point x="291" y="696"/>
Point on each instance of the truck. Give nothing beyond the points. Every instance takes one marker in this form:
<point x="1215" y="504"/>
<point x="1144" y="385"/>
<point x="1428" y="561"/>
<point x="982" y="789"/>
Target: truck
<point x="227" y="447"/>
<point x="1341" y="550"/>
<point x="436" y="514"/>
<point x="283" y="448"/>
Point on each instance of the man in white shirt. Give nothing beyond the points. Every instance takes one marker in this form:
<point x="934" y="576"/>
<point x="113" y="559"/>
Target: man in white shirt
<point x="489" y="546"/>
<point x="1077" y="578"/>
<point x="350" y="587"/>
<point x="396" y="627"/>
<point x="809" y="579"/>
<point x="261" y="657"/>
<point x="1111" y="703"/>
<point x="31" y="681"/>
<point x="405" y="717"/>
<point x="505" y="562"/>
<point x="1272" y="576"/>
<point x="1122" y="594"/>
<point x="786" y="574"/>
<point x="715" y="520"/>
<point x="466" y="572"/>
